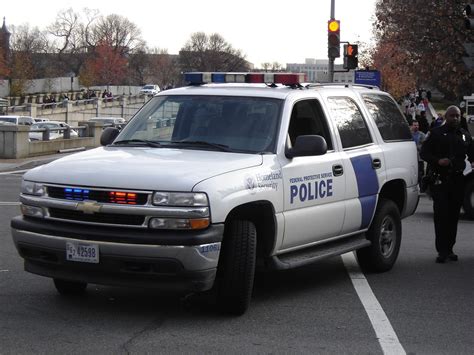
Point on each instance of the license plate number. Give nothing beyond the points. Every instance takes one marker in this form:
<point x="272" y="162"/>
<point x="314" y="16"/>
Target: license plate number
<point x="82" y="252"/>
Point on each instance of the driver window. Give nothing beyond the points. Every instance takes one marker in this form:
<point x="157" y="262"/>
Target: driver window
<point x="307" y="118"/>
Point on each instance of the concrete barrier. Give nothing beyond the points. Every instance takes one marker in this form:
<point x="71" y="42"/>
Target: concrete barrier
<point x="15" y="144"/>
<point x="74" y="111"/>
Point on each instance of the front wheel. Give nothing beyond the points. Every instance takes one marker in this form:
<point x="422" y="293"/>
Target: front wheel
<point x="69" y="288"/>
<point x="385" y="233"/>
<point x="468" y="203"/>
<point x="236" y="269"/>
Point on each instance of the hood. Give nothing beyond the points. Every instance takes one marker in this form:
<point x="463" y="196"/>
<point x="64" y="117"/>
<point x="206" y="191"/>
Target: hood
<point x="141" y="168"/>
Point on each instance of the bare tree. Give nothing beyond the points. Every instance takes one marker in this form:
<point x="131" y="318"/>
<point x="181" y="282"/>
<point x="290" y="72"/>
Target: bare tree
<point x="71" y="31"/>
<point x="266" y="66"/>
<point x="28" y="40"/>
<point x="211" y="53"/>
<point x="118" y="32"/>
<point x="164" y="69"/>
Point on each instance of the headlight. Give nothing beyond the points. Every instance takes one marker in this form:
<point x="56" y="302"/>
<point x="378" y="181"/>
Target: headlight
<point x="32" y="188"/>
<point x="32" y="211"/>
<point x="183" y="199"/>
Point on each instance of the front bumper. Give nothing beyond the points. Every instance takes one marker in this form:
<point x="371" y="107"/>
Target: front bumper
<point x="190" y="267"/>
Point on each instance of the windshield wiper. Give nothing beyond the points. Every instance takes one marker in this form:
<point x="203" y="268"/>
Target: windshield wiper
<point x="221" y="147"/>
<point x="139" y="142"/>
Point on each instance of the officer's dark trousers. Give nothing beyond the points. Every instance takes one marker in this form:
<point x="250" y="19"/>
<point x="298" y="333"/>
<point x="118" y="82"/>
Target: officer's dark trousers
<point x="447" y="201"/>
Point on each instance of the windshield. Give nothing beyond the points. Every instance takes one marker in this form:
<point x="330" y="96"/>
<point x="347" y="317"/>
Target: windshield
<point x="148" y="87"/>
<point x="240" y="124"/>
<point x="8" y="119"/>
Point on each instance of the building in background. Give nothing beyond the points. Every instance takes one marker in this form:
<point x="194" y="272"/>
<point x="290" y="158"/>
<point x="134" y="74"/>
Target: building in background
<point x="316" y="71"/>
<point x="5" y="42"/>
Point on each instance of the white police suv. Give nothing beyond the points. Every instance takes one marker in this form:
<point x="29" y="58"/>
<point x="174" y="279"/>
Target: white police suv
<point x="209" y="180"/>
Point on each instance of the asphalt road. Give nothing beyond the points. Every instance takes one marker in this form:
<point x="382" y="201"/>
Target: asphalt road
<point x="311" y="310"/>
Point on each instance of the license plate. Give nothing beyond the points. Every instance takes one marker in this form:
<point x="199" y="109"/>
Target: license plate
<point x="82" y="252"/>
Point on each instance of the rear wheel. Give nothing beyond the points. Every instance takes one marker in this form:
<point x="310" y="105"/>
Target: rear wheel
<point x="468" y="203"/>
<point x="236" y="270"/>
<point x="69" y="288"/>
<point x="385" y="233"/>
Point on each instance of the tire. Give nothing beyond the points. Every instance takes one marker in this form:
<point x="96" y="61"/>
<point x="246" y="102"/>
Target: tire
<point x="236" y="268"/>
<point x="69" y="288"/>
<point x="468" y="203"/>
<point x="385" y="233"/>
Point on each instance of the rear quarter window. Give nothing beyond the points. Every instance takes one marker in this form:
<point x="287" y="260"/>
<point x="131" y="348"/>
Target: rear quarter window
<point x="388" y="117"/>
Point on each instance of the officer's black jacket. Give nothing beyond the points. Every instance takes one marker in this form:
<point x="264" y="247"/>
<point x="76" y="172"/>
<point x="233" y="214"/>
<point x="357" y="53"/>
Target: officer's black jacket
<point x="447" y="142"/>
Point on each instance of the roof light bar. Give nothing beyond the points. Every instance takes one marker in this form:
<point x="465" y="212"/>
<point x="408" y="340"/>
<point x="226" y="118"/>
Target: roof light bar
<point x="199" y="78"/>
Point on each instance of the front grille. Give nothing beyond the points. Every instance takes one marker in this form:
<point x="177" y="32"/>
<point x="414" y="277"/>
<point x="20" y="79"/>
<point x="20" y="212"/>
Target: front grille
<point x="109" y="218"/>
<point x="81" y="194"/>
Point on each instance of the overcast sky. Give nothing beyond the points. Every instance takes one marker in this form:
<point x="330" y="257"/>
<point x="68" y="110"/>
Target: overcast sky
<point x="265" y="31"/>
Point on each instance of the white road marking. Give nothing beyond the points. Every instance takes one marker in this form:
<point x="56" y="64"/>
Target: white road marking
<point x="14" y="172"/>
<point x="10" y="203"/>
<point x="4" y="270"/>
<point x="383" y="329"/>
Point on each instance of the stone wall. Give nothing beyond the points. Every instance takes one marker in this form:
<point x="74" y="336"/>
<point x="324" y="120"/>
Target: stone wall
<point x="64" y="84"/>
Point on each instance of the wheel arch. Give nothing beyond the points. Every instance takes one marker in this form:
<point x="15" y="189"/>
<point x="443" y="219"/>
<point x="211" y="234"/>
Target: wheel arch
<point x="395" y="190"/>
<point x="262" y="215"/>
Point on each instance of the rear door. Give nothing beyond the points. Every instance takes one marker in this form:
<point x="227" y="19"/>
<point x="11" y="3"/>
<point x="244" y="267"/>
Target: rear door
<point x="363" y="159"/>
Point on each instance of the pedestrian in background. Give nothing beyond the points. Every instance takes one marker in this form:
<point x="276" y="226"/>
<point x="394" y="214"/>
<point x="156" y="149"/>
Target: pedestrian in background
<point x="423" y="122"/>
<point x="438" y="121"/>
<point x="419" y="138"/>
<point x="445" y="150"/>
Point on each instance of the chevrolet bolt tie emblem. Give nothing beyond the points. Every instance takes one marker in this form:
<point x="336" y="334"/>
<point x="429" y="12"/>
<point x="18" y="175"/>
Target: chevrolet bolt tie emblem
<point x="88" y="207"/>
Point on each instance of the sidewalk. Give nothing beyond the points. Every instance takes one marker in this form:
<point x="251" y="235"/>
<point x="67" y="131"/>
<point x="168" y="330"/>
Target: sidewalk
<point x="7" y="165"/>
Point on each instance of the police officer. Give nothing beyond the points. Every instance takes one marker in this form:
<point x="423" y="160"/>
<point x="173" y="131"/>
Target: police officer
<point x="445" y="150"/>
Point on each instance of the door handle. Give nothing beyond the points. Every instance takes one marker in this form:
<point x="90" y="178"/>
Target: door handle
<point x="337" y="170"/>
<point x="376" y="163"/>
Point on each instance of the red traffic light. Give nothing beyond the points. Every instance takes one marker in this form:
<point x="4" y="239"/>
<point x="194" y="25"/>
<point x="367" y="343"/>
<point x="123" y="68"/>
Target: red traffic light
<point x="351" y="58"/>
<point x="351" y="50"/>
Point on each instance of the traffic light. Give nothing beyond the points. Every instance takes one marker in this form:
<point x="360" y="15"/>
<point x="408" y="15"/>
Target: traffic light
<point x="351" y="56"/>
<point x="469" y="20"/>
<point x="334" y="39"/>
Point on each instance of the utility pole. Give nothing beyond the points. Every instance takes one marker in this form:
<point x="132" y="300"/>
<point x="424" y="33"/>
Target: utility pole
<point x="331" y="59"/>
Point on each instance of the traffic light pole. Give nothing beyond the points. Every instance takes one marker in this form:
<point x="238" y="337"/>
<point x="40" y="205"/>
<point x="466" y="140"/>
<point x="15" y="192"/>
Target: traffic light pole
<point x="331" y="60"/>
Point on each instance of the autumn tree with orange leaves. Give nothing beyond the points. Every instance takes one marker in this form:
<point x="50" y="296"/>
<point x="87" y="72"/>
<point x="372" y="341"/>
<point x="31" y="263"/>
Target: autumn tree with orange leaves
<point x="106" y="66"/>
<point x="397" y="78"/>
<point x="420" y="42"/>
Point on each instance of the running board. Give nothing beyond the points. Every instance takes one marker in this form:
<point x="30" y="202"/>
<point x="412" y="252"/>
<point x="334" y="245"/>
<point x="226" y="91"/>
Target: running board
<point x="318" y="252"/>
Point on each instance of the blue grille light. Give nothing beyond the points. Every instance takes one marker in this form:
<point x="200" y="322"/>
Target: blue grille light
<point x="76" y="194"/>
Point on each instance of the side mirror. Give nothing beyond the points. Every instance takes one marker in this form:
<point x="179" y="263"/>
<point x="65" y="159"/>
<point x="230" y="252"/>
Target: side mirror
<point x="108" y="135"/>
<point x="307" y="146"/>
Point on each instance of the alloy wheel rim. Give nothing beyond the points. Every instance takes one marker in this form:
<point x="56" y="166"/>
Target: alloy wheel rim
<point x="388" y="234"/>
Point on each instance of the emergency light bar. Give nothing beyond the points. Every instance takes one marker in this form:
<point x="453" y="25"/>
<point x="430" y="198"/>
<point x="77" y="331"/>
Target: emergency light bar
<point x="199" y="78"/>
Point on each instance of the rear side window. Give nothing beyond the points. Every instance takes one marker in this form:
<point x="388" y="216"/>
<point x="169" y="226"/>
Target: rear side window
<point x="349" y="121"/>
<point x="388" y="118"/>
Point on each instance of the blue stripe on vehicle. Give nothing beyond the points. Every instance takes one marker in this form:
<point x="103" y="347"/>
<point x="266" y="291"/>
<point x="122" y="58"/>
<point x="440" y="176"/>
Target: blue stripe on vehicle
<point x="367" y="185"/>
<point x="368" y="207"/>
